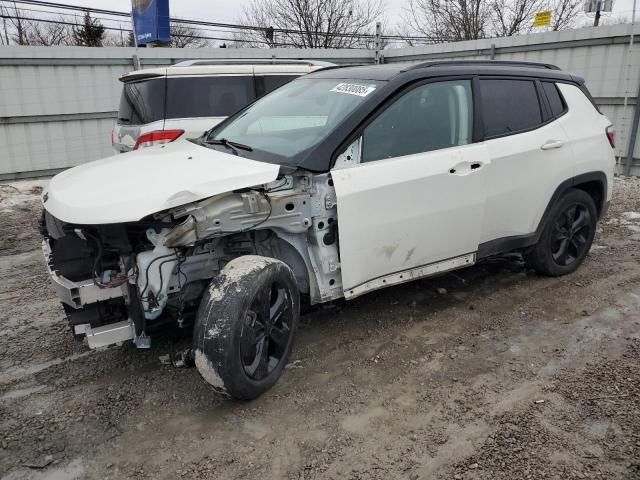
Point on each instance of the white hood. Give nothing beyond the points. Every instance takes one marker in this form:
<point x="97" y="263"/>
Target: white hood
<point x="130" y="186"/>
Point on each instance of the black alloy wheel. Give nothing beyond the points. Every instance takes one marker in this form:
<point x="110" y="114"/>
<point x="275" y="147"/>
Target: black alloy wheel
<point x="266" y="331"/>
<point x="566" y="236"/>
<point x="571" y="234"/>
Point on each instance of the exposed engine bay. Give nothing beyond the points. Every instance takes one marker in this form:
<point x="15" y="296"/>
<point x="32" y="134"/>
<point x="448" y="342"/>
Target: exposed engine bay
<point x="125" y="281"/>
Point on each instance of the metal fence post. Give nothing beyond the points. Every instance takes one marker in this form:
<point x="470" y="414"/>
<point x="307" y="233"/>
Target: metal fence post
<point x="378" y="43"/>
<point x="634" y="136"/>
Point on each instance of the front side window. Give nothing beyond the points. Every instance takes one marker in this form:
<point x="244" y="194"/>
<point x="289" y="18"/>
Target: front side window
<point x="429" y="117"/>
<point x="509" y="106"/>
<point x="294" y="117"/>
<point x="192" y="97"/>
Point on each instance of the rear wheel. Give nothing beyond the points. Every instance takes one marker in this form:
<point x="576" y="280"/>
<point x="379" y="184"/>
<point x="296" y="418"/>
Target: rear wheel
<point x="567" y="235"/>
<point x="245" y="326"/>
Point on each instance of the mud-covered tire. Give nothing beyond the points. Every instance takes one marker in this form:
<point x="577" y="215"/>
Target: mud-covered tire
<point x="233" y="313"/>
<point x="571" y="224"/>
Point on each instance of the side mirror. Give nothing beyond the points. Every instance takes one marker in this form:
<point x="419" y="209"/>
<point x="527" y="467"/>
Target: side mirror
<point x="351" y="156"/>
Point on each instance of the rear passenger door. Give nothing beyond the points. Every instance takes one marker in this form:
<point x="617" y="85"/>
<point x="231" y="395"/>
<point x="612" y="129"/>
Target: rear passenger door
<point x="530" y="154"/>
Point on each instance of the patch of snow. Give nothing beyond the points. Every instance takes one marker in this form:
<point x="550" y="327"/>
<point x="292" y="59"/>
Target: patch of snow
<point x="207" y="370"/>
<point x="631" y="215"/>
<point x="235" y="270"/>
<point x="16" y="194"/>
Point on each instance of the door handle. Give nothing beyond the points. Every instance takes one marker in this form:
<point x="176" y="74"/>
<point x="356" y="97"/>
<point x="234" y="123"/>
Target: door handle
<point x="551" y="144"/>
<point x="465" y="168"/>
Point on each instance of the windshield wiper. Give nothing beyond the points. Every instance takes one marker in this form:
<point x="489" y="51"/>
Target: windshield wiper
<point x="231" y="145"/>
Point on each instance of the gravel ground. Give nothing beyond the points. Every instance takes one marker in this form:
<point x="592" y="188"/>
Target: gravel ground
<point x="488" y="373"/>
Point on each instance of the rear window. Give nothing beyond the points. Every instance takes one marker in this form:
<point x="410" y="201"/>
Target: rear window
<point x="142" y="102"/>
<point x="189" y="97"/>
<point x="555" y="100"/>
<point x="509" y="106"/>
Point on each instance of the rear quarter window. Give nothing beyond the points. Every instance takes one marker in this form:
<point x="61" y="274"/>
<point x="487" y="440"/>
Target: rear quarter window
<point x="142" y="102"/>
<point x="189" y="97"/>
<point x="555" y="100"/>
<point x="509" y="106"/>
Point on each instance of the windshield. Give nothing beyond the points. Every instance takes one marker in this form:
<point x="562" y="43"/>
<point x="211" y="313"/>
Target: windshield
<point x="293" y="118"/>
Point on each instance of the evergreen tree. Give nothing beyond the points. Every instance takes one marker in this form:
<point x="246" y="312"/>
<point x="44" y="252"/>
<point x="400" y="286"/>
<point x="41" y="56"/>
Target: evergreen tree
<point x="90" y="33"/>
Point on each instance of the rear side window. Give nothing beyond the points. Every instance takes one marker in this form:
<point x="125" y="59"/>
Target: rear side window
<point x="268" y="83"/>
<point x="189" y="97"/>
<point x="553" y="96"/>
<point x="142" y="102"/>
<point x="509" y="106"/>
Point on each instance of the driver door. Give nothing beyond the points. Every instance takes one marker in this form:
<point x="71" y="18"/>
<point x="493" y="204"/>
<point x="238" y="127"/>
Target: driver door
<point x="413" y="203"/>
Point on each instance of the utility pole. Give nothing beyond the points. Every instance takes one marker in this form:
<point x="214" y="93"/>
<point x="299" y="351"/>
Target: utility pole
<point x="596" y="20"/>
<point x="636" y="114"/>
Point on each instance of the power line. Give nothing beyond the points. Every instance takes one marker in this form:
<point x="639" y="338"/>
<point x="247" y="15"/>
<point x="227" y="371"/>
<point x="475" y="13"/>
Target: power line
<point x="180" y="35"/>
<point x="188" y="21"/>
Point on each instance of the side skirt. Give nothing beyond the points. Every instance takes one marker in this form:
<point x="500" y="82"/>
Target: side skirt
<point x="411" y="274"/>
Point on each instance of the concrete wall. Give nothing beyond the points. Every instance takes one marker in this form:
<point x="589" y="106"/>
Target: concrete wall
<point x="58" y="104"/>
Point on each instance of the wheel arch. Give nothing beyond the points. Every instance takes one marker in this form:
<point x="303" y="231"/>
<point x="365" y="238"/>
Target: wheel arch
<point x="594" y="183"/>
<point x="284" y="249"/>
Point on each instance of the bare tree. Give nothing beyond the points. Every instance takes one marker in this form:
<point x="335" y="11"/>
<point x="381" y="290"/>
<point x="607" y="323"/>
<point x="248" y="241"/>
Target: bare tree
<point x="454" y="20"/>
<point x="513" y="17"/>
<point x="309" y="23"/>
<point x="447" y="20"/>
<point x="564" y="13"/>
<point x="185" y="36"/>
<point x="49" y="34"/>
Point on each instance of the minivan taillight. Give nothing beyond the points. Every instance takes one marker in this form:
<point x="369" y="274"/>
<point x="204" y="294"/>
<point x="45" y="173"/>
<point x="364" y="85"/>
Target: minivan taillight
<point x="611" y="135"/>
<point x="157" y="137"/>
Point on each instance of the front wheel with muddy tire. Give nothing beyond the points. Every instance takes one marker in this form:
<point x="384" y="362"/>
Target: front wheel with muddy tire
<point x="566" y="237"/>
<point x="245" y="326"/>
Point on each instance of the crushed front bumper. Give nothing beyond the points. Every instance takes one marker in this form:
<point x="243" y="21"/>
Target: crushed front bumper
<point x="79" y="294"/>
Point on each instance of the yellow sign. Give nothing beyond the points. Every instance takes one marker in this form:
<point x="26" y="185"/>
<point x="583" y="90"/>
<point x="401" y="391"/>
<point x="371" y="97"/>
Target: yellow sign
<point x="543" y="19"/>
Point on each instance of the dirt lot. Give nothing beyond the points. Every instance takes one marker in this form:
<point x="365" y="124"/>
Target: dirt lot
<point x="487" y="373"/>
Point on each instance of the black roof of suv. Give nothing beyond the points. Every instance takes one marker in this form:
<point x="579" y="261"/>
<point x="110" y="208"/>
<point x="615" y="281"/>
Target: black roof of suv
<point x="393" y="79"/>
<point x="404" y="71"/>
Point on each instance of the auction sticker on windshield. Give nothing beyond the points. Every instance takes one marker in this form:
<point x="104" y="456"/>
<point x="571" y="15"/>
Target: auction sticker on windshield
<point x="354" y="89"/>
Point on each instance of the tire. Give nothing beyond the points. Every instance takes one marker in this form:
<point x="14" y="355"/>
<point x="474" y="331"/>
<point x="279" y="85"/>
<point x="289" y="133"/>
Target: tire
<point x="245" y="326"/>
<point x="566" y="237"/>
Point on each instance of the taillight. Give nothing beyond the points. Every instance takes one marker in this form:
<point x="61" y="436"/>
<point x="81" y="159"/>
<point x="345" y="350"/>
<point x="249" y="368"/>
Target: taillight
<point x="157" y="137"/>
<point x="113" y="137"/>
<point x="611" y="135"/>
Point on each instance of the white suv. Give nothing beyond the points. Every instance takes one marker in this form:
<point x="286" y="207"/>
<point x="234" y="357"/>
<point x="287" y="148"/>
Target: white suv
<point x="339" y="183"/>
<point x="160" y="105"/>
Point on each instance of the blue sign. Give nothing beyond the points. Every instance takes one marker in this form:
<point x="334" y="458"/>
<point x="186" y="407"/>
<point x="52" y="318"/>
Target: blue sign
<point x="151" y="21"/>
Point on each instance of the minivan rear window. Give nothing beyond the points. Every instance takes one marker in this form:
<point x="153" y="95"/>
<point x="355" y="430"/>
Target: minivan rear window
<point x="509" y="106"/>
<point x="142" y="102"/>
<point x="189" y="97"/>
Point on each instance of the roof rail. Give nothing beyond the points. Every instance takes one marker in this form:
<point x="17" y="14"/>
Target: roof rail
<point x="251" y="61"/>
<point x="500" y="63"/>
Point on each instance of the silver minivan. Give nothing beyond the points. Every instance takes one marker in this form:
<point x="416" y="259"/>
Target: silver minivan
<point x="160" y="105"/>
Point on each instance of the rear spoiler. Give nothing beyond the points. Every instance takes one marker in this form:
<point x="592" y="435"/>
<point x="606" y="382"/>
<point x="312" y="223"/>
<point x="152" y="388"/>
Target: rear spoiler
<point x="139" y="75"/>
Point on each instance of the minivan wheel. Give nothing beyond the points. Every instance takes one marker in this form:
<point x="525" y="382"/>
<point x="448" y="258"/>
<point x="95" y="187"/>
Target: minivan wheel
<point x="566" y="237"/>
<point x="245" y="326"/>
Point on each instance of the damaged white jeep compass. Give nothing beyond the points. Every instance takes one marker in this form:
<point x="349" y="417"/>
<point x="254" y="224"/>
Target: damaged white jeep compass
<point x="341" y="182"/>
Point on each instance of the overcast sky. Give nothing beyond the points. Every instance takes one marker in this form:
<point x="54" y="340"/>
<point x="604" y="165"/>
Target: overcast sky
<point x="230" y="10"/>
